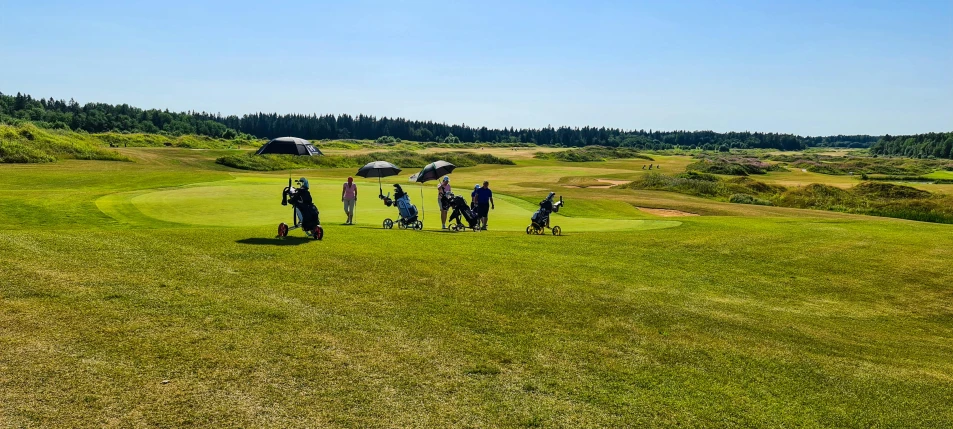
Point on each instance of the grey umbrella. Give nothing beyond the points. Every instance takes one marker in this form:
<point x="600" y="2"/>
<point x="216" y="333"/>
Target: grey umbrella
<point x="379" y="169"/>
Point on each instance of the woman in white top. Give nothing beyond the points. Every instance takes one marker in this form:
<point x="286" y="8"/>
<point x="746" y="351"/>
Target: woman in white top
<point x="349" y="197"/>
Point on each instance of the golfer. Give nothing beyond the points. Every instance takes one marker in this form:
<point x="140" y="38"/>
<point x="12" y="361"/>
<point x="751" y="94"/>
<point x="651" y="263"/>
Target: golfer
<point x="473" y="197"/>
<point x="349" y="197"/>
<point x="442" y="190"/>
<point x="485" y="202"/>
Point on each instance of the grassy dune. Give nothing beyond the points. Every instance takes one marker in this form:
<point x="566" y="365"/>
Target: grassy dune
<point x="150" y="293"/>
<point x="26" y="143"/>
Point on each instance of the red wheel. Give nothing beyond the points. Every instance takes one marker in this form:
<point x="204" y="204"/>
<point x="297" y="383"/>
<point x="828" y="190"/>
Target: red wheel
<point x="282" y="230"/>
<point x="318" y="233"/>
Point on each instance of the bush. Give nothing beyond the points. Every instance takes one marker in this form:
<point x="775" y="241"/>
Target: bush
<point x="889" y="191"/>
<point x="592" y="153"/>
<point x="731" y="166"/>
<point x="684" y="185"/>
<point x="695" y="175"/>
<point x="748" y="199"/>
<point x="13" y="152"/>
<point x="387" y="140"/>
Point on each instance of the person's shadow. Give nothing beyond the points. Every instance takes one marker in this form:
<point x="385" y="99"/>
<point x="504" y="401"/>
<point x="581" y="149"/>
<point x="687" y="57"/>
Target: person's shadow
<point x="287" y="241"/>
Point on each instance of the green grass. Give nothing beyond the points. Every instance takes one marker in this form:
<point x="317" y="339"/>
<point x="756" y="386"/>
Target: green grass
<point x="118" y="276"/>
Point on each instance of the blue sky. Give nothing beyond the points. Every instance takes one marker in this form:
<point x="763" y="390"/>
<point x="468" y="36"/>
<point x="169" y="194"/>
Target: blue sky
<point x="806" y="67"/>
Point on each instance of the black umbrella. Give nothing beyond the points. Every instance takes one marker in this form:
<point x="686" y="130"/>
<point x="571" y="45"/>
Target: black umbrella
<point x="379" y="169"/>
<point x="433" y="171"/>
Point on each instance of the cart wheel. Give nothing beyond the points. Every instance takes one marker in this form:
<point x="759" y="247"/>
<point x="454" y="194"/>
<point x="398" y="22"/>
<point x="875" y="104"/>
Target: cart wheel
<point x="318" y="233"/>
<point x="282" y="230"/>
<point x="388" y="224"/>
<point x="557" y="230"/>
<point x="529" y="229"/>
<point x="539" y="231"/>
<point x="419" y="225"/>
<point x="401" y="225"/>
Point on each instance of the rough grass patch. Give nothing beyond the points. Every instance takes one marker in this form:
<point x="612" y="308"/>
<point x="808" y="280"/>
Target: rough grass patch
<point x="592" y="153"/>
<point x="732" y="166"/>
<point x="403" y="159"/>
<point x="26" y="143"/>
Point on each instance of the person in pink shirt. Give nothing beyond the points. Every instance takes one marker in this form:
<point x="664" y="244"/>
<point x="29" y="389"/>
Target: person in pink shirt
<point x="349" y="197"/>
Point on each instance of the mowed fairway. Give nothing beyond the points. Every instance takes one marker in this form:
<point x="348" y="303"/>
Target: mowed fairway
<point x="153" y="294"/>
<point x="253" y="201"/>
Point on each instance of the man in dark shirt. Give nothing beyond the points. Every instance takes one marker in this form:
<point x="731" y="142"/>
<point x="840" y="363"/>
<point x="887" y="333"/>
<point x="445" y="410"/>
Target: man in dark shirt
<point x="484" y="197"/>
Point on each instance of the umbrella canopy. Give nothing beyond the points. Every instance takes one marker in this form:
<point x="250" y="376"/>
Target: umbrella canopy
<point x="433" y="171"/>
<point x="289" y="146"/>
<point x="378" y="169"/>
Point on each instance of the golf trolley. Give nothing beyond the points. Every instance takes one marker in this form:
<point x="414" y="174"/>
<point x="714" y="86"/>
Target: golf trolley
<point x="406" y="210"/>
<point x="305" y="213"/>
<point x="461" y="212"/>
<point x="540" y="220"/>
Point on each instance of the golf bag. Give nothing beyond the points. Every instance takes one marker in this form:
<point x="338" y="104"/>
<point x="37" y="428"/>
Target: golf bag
<point x="462" y="213"/>
<point x="540" y="219"/>
<point x="306" y="214"/>
<point x="406" y="210"/>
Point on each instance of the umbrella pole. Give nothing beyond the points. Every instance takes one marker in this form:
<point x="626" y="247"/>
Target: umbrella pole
<point x="423" y="211"/>
<point x="380" y="187"/>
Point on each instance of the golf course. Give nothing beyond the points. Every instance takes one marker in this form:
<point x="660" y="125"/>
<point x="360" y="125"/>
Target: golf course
<point x="151" y="291"/>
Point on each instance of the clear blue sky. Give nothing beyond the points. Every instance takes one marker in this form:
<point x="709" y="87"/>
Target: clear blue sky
<point x="806" y="67"/>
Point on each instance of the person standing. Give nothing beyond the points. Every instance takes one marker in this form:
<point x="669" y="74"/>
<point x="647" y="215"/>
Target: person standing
<point x="349" y="197"/>
<point x="473" y="198"/>
<point x="484" y="203"/>
<point x="442" y="192"/>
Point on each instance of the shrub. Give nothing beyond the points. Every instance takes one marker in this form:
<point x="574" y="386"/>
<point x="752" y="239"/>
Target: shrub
<point x="695" y="175"/>
<point x="684" y="185"/>
<point x="889" y="191"/>
<point x="818" y="196"/>
<point x="592" y="153"/>
<point x="13" y="152"/>
<point x="732" y="166"/>
<point x="387" y="140"/>
<point x="748" y="199"/>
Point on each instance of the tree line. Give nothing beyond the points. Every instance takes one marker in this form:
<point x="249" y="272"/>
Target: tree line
<point x="930" y="145"/>
<point x="101" y="117"/>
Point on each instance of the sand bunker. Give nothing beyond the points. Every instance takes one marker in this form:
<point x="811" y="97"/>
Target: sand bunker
<point x="665" y="212"/>
<point x="612" y="182"/>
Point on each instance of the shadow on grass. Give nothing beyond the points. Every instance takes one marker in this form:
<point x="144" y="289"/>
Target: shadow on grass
<point x="288" y="241"/>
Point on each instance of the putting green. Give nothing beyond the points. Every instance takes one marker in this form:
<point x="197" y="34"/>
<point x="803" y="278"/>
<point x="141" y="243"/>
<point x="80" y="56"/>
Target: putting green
<point x="253" y="201"/>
